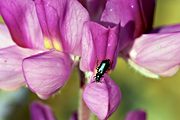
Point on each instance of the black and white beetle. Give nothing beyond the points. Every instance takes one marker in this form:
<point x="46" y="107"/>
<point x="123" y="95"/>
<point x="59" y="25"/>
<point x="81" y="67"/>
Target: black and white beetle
<point x="101" y="69"/>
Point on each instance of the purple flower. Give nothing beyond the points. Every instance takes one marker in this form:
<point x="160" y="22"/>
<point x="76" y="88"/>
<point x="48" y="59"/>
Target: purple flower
<point x="136" y="115"/>
<point x="153" y="53"/>
<point x="156" y="54"/>
<point x="134" y="16"/>
<point x="35" y="26"/>
<point x="98" y="43"/>
<point x="139" y="12"/>
<point x="46" y="32"/>
<point x="74" y="116"/>
<point x="40" y="111"/>
<point x="117" y="23"/>
<point x="102" y="98"/>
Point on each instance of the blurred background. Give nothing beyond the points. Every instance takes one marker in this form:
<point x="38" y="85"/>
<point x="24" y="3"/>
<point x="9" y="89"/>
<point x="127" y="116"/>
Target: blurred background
<point x="160" y="98"/>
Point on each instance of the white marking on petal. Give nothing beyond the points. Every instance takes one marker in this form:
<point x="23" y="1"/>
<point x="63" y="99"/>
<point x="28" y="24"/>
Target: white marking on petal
<point x="142" y="70"/>
<point x="133" y="54"/>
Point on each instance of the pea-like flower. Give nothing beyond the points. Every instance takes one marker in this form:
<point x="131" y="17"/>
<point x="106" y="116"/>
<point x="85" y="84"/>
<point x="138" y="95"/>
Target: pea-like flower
<point x="119" y="21"/>
<point x="153" y="53"/>
<point x="46" y="32"/>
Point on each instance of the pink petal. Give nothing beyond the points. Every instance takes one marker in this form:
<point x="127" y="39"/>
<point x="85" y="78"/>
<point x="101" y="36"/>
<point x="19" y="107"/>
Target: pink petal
<point x="40" y="111"/>
<point x="168" y="29"/>
<point x="136" y="115"/>
<point x="139" y="12"/>
<point x="5" y="38"/>
<point x="47" y="72"/>
<point x="103" y="97"/>
<point x="11" y="76"/>
<point x="21" y="18"/>
<point x="158" y="53"/>
<point x="62" y="20"/>
<point x="98" y="43"/>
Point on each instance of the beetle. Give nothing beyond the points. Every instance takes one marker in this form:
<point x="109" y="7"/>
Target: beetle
<point x="101" y="69"/>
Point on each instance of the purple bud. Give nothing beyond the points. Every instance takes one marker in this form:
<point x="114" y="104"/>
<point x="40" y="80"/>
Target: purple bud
<point x="103" y="97"/>
<point x="74" y="116"/>
<point x="136" y="115"/>
<point x="41" y="111"/>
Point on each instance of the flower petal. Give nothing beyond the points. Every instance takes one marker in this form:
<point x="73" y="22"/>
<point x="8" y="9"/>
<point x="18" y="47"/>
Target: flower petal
<point x="62" y="21"/>
<point x="41" y="111"/>
<point x="102" y="97"/>
<point x="138" y="11"/>
<point x="98" y="43"/>
<point x="47" y="72"/>
<point x="11" y="76"/>
<point x="5" y="38"/>
<point x="167" y="29"/>
<point x="158" y="53"/>
<point x="136" y="115"/>
<point x="21" y="18"/>
<point x="74" y="116"/>
<point x="94" y="7"/>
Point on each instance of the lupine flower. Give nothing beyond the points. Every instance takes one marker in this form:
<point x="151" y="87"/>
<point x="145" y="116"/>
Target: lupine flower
<point x="100" y="41"/>
<point x="35" y="26"/>
<point x="119" y="21"/>
<point x="40" y="111"/>
<point x="153" y="53"/>
<point x="136" y="115"/>
<point x="74" y="116"/>
<point x="65" y="27"/>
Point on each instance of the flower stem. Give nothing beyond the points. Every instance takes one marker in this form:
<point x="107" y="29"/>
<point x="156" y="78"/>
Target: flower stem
<point x="83" y="111"/>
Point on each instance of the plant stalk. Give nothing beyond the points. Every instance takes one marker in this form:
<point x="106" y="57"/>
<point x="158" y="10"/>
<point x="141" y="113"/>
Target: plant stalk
<point x="83" y="111"/>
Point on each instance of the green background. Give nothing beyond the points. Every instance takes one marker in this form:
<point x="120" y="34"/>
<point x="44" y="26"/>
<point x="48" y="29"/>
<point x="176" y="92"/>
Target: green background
<point x="160" y="98"/>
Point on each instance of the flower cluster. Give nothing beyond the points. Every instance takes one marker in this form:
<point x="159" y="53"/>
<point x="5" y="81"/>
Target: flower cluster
<point x="45" y="37"/>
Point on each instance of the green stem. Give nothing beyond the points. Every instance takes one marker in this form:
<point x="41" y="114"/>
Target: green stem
<point x="83" y="111"/>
